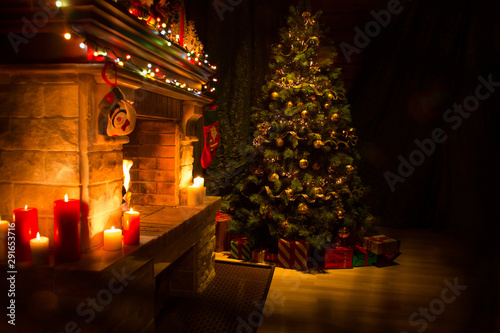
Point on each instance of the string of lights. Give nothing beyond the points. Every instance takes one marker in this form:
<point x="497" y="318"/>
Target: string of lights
<point x="99" y="53"/>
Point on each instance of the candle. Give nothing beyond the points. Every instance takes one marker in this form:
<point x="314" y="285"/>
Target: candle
<point x="199" y="182"/>
<point x="39" y="250"/>
<point x="4" y="230"/>
<point x="66" y="230"/>
<point x="131" y="223"/>
<point x="195" y="195"/>
<point x="26" y="226"/>
<point x="112" y="239"/>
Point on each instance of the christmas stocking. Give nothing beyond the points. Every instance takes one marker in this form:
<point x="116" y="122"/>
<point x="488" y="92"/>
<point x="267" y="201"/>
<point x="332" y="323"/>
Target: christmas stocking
<point x="211" y="135"/>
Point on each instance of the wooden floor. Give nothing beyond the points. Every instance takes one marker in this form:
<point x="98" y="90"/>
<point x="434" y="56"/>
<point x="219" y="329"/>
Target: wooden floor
<point x="413" y="296"/>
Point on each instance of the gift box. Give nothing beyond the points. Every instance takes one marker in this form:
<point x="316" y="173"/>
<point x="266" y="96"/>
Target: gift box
<point x="259" y="255"/>
<point x="381" y="244"/>
<point x="221" y="234"/>
<point x="272" y="257"/>
<point x="293" y="254"/>
<point x="338" y="257"/>
<point x="363" y="257"/>
<point x="240" y="249"/>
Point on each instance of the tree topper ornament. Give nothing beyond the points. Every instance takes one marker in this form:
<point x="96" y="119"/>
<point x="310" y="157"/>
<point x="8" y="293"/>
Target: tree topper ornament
<point x="117" y="116"/>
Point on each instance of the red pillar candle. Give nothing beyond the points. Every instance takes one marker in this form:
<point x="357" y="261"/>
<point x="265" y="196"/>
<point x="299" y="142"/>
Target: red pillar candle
<point x="26" y="227"/>
<point x="131" y="224"/>
<point x="66" y="230"/>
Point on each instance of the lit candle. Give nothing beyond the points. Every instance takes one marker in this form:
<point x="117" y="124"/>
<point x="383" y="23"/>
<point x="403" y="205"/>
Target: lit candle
<point x="199" y="182"/>
<point x="39" y="250"/>
<point x="131" y="223"/>
<point x="26" y="226"/>
<point x="66" y="230"/>
<point x="195" y="195"/>
<point x="112" y="239"/>
<point x="4" y="230"/>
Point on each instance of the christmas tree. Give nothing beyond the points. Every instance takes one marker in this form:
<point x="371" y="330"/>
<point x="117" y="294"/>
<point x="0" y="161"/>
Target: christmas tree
<point x="303" y="181"/>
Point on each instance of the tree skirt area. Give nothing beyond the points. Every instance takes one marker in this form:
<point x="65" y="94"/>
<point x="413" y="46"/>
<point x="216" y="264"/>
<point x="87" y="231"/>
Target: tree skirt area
<point x="233" y="299"/>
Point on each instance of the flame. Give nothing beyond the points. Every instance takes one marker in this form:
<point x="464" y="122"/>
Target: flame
<point x="127" y="164"/>
<point x="131" y="210"/>
<point x="26" y="207"/>
<point x="65" y="198"/>
<point x="112" y="227"/>
<point x="38" y="235"/>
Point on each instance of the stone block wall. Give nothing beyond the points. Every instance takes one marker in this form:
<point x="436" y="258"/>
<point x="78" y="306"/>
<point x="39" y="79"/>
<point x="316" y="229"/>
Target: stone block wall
<point x="48" y="148"/>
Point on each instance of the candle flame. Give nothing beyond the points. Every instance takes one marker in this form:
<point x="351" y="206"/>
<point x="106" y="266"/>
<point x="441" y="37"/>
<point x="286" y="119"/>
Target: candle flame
<point x="66" y="198"/>
<point x="127" y="164"/>
<point x="38" y="235"/>
<point x="131" y="210"/>
<point x="26" y="207"/>
<point x="113" y="228"/>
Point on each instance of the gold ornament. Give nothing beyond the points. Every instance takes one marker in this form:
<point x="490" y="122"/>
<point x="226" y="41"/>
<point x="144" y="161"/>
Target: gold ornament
<point x="318" y="144"/>
<point x="273" y="177"/>
<point x="335" y="117"/>
<point x="304" y="114"/>
<point x="316" y="166"/>
<point x="340" y="213"/>
<point x="289" y="192"/>
<point x="349" y="169"/>
<point x="330" y="96"/>
<point x="303" y="163"/>
<point x="280" y="142"/>
<point x="333" y="134"/>
<point x="284" y="225"/>
<point x="289" y="104"/>
<point x="327" y="106"/>
<point x="344" y="232"/>
<point x="274" y="95"/>
<point x="302" y="209"/>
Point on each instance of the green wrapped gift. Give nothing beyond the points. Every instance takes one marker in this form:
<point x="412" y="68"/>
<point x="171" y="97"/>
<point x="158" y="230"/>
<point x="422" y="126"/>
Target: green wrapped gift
<point x="363" y="257"/>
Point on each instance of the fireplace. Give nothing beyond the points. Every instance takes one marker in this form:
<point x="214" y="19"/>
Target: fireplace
<point x="51" y="145"/>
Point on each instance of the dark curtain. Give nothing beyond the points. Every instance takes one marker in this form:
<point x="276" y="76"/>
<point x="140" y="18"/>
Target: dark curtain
<point x="237" y="36"/>
<point x="427" y="62"/>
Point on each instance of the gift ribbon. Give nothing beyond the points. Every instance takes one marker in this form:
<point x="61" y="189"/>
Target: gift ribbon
<point x="362" y="250"/>
<point x="372" y="239"/>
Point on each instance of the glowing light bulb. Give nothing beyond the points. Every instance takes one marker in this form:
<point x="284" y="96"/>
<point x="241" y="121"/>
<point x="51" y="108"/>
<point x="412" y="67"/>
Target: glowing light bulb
<point x="120" y="63"/>
<point x="149" y="65"/>
<point x="82" y="45"/>
<point x="127" y="57"/>
<point x="59" y="4"/>
<point x="26" y="207"/>
<point x="169" y="44"/>
<point x="65" y="198"/>
<point x="67" y="36"/>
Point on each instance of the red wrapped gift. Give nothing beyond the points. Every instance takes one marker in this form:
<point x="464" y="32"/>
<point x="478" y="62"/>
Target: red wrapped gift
<point x="221" y="234"/>
<point x="381" y="244"/>
<point x="338" y="257"/>
<point x="293" y="254"/>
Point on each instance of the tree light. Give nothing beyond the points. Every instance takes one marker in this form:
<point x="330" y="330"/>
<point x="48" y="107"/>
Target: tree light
<point x="67" y="36"/>
<point x="82" y="45"/>
<point x="59" y="4"/>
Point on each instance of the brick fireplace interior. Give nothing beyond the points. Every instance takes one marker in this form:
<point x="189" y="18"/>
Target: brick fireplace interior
<point x="50" y="146"/>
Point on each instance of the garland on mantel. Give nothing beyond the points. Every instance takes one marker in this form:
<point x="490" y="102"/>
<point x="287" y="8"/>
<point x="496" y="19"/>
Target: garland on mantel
<point x="167" y="19"/>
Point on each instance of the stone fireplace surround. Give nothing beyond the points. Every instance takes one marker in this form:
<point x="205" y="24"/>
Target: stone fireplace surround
<point x="50" y="146"/>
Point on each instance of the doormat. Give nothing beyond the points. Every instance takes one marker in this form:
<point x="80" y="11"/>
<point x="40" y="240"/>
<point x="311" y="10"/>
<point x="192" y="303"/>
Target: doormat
<point x="233" y="302"/>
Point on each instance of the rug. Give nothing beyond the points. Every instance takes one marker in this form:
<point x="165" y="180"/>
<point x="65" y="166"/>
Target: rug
<point x="233" y="302"/>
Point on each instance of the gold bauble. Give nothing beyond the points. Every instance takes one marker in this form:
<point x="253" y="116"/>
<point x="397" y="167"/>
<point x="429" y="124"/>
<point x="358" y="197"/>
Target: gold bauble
<point x="280" y="142"/>
<point x="302" y="209"/>
<point x="318" y="144"/>
<point x="303" y="163"/>
<point x="333" y="134"/>
<point x="274" y="95"/>
<point x="316" y="166"/>
<point x="344" y="232"/>
<point x="289" y="192"/>
<point x="304" y="114"/>
<point x="327" y="106"/>
<point x="340" y="213"/>
<point x="330" y="96"/>
<point x="349" y="169"/>
<point x="289" y="104"/>
<point x="335" y="117"/>
<point x="273" y="177"/>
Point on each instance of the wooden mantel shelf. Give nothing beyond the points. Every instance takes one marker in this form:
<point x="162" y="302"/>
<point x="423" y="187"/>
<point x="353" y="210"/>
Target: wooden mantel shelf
<point x="126" y="282"/>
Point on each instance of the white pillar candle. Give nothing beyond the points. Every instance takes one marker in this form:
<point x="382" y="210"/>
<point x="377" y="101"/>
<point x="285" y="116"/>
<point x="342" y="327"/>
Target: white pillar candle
<point x="39" y="250"/>
<point x="195" y="195"/>
<point x="112" y="239"/>
<point x="4" y="230"/>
